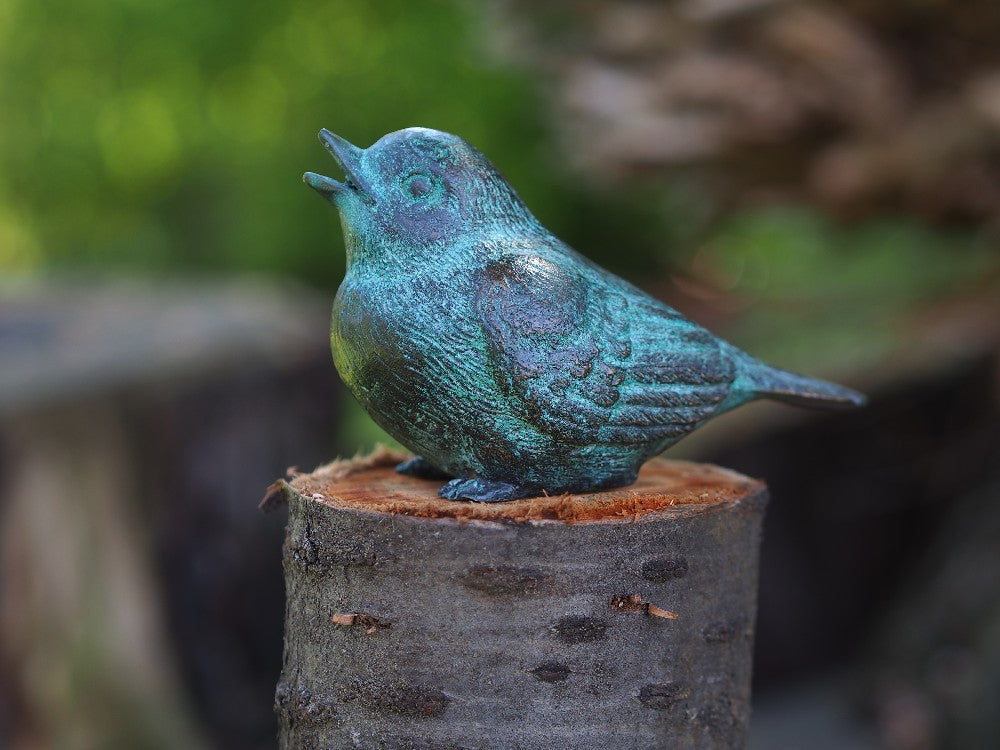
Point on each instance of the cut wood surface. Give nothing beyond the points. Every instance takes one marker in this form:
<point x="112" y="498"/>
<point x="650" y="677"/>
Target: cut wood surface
<point x="614" y="619"/>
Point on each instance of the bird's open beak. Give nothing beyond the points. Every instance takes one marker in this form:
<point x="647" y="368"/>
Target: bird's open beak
<point x="348" y="156"/>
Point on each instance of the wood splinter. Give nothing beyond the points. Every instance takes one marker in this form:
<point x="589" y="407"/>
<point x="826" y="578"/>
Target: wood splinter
<point x="634" y="603"/>
<point x="370" y="623"/>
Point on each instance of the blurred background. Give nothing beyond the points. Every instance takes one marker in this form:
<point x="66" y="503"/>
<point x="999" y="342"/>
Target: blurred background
<point x="818" y="182"/>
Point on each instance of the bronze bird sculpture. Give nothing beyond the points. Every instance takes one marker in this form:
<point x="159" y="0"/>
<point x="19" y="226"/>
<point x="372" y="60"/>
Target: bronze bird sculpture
<point x="506" y="361"/>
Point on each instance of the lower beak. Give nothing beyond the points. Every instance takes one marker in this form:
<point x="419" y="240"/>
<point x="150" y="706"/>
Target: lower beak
<point x="348" y="156"/>
<point x="326" y="186"/>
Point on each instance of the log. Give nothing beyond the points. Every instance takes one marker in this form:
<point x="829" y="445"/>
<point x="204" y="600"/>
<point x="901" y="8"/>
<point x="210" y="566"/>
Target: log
<point x="620" y="619"/>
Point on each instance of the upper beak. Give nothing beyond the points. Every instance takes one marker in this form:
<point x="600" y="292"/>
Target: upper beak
<point x="348" y="156"/>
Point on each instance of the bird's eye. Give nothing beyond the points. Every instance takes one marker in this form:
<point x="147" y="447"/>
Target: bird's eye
<point x="418" y="185"/>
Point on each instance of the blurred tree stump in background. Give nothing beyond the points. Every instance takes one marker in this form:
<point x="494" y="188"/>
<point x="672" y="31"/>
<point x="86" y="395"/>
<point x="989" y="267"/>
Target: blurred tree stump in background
<point x="860" y="106"/>
<point x="84" y="643"/>
<point x="140" y="605"/>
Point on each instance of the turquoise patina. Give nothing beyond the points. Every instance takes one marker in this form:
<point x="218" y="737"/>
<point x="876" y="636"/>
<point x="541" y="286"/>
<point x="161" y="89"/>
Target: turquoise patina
<point x="509" y="363"/>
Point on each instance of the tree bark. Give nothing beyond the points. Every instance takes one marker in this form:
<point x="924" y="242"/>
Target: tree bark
<point x="619" y="619"/>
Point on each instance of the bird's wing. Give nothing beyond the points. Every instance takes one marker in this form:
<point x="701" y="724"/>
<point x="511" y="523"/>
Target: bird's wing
<point x="594" y="362"/>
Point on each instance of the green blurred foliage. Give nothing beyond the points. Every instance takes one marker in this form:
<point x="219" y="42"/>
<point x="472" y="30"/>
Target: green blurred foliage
<point x="794" y="255"/>
<point x="152" y="135"/>
<point x="829" y="297"/>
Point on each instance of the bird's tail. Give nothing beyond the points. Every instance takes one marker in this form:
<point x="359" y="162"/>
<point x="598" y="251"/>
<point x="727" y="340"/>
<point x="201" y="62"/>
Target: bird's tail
<point x="755" y="379"/>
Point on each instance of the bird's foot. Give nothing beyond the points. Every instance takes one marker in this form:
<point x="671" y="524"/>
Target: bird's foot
<point x="421" y="468"/>
<point x="481" y="490"/>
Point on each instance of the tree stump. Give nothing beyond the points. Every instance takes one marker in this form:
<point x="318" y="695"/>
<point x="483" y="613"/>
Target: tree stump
<point x="620" y="619"/>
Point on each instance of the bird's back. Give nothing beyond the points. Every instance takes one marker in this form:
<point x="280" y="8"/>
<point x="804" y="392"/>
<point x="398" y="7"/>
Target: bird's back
<point x="598" y="360"/>
<point x="594" y="359"/>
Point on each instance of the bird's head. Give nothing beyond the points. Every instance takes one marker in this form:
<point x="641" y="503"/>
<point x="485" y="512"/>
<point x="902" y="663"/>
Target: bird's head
<point x="415" y="189"/>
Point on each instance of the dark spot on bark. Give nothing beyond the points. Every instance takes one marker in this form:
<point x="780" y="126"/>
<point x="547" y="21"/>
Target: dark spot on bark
<point x="551" y="671"/>
<point x="298" y="704"/>
<point x="662" y="696"/>
<point x="721" y="632"/>
<point x="504" y="580"/>
<point x="662" y="569"/>
<point x="579" y="629"/>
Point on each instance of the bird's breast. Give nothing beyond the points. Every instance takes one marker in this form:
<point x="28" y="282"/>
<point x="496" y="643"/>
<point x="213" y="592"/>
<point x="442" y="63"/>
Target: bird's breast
<point x="405" y="345"/>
